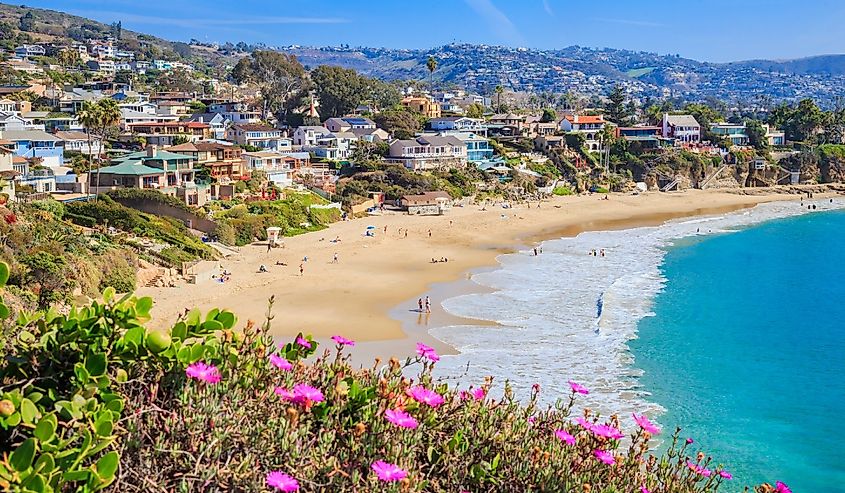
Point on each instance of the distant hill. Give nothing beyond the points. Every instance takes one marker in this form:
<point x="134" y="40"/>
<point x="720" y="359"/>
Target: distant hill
<point x="480" y="68"/>
<point x="822" y="64"/>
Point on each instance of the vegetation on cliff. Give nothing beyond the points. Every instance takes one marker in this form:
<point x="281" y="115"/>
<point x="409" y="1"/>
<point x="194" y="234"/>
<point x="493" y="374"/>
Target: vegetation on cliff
<point x="92" y="400"/>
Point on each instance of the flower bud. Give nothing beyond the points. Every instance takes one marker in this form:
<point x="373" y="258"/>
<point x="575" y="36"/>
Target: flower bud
<point x="360" y="429"/>
<point x="700" y="456"/>
<point x="7" y="407"/>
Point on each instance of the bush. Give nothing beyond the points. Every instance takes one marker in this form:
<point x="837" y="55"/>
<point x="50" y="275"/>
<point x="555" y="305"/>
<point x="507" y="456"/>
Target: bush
<point x="563" y="190"/>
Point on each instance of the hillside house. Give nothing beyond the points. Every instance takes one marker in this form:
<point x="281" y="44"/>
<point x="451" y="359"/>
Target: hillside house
<point x="590" y="126"/>
<point x="224" y="162"/>
<point x="164" y="134"/>
<point x="258" y="135"/>
<point x="681" y="128"/>
<point x="35" y="144"/>
<point x="429" y="152"/>
<point x="307" y="135"/>
<point x="423" y="105"/>
<point x="75" y="141"/>
<point x="426" y="204"/>
<point x="349" y="123"/>
<point x="734" y="132"/>
<point x="279" y="168"/>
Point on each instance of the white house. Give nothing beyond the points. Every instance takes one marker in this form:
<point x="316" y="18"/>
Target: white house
<point x="279" y="168"/>
<point x="26" y="51"/>
<point x="78" y="142"/>
<point x="682" y="128"/>
<point x="459" y="123"/>
<point x="588" y="125"/>
<point x="429" y="152"/>
<point x="307" y="135"/>
<point x="333" y="145"/>
<point x="236" y="112"/>
<point x="257" y="135"/>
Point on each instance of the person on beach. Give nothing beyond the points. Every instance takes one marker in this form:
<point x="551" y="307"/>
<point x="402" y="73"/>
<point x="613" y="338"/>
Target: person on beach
<point x="269" y="246"/>
<point x="301" y="270"/>
<point x="602" y="252"/>
<point x="535" y="251"/>
<point x="406" y="233"/>
<point x="385" y="229"/>
<point x="334" y="260"/>
<point x="429" y="233"/>
<point x="262" y="268"/>
<point x="420" y="303"/>
<point x="427" y="304"/>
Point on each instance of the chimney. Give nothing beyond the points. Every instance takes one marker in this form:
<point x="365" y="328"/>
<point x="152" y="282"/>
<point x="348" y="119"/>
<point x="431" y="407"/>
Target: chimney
<point x="152" y="150"/>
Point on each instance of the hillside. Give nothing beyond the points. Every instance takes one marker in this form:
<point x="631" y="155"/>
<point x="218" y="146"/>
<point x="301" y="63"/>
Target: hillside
<point x="823" y="64"/>
<point x="50" y="26"/>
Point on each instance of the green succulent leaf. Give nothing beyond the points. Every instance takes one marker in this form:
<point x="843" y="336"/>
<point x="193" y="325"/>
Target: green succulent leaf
<point x="21" y="458"/>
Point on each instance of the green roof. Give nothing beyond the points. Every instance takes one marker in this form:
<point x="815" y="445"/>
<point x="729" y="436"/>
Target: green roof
<point x="160" y="155"/>
<point x="136" y="168"/>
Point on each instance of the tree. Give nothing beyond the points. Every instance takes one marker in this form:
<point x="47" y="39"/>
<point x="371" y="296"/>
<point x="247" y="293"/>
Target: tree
<point x="48" y="272"/>
<point x="499" y="90"/>
<point x="98" y="118"/>
<point x="401" y="122"/>
<point x="549" y="115"/>
<point x="339" y="90"/>
<point x="280" y="77"/>
<point x="616" y="109"/>
<point x="431" y="65"/>
<point x="117" y="30"/>
<point x="756" y="134"/>
<point x="69" y="58"/>
<point x="26" y="22"/>
<point x="475" y="110"/>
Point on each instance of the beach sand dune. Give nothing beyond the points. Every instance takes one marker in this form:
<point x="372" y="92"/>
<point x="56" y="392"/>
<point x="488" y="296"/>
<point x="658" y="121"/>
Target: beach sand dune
<point x="373" y="275"/>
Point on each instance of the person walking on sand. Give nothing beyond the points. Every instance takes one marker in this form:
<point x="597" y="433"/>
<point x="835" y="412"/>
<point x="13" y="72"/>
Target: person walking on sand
<point x="427" y="304"/>
<point x="334" y="260"/>
<point x="429" y="233"/>
<point x="269" y="246"/>
<point x="420" y="304"/>
<point x="406" y="233"/>
<point x="301" y="270"/>
<point x="385" y="229"/>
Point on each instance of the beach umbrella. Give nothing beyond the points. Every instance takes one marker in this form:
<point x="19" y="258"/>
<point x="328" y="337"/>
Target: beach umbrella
<point x="371" y="227"/>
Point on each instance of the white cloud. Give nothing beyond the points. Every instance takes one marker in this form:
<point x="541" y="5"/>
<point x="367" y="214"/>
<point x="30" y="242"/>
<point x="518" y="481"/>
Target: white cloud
<point x="547" y="7"/>
<point x="497" y="20"/>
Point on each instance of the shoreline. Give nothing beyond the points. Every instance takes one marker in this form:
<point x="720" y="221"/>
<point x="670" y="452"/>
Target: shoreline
<point x="377" y="278"/>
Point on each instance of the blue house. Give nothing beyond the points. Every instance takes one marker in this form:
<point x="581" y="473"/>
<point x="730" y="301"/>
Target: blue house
<point x="36" y="144"/>
<point x="479" y="148"/>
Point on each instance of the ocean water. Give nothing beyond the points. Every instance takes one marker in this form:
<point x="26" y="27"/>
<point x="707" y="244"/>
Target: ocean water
<point x="731" y="326"/>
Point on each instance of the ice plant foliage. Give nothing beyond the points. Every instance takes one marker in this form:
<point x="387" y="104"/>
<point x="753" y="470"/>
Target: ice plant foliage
<point x="280" y="362"/>
<point x="203" y="372"/>
<point x="388" y="472"/>
<point x="425" y="396"/>
<point x="646" y="425"/>
<point x="427" y="352"/>
<point x="577" y="388"/>
<point x="400" y="418"/>
<point x="282" y="482"/>
<point x="342" y="341"/>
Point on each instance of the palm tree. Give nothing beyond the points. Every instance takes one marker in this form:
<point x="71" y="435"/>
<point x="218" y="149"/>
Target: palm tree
<point x="109" y="116"/>
<point x="89" y="117"/>
<point x="431" y="64"/>
<point x="499" y="90"/>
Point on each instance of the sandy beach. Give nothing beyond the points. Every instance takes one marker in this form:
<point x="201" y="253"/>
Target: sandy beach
<point x="364" y="294"/>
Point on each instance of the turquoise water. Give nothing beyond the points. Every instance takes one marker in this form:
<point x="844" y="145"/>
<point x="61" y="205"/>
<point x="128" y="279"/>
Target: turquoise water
<point x="746" y="350"/>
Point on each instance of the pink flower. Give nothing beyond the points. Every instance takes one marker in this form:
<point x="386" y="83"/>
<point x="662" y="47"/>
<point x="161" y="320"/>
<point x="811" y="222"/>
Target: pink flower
<point x="781" y="487"/>
<point x="425" y="396"/>
<point x="577" y="388"/>
<point x="587" y="425"/>
<point x="478" y="393"/>
<point x="281" y="481"/>
<point x="605" y="456"/>
<point x="285" y="394"/>
<point x="535" y="387"/>
<point x="401" y="418"/>
<point x="565" y="437"/>
<point x="607" y="431"/>
<point x="725" y="474"/>
<point x="279" y="362"/>
<point x="305" y="392"/>
<point x="646" y="425"/>
<point x="698" y="469"/>
<point x="303" y="342"/>
<point x="689" y="441"/>
<point x="342" y="341"/>
<point x="643" y="489"/>
<point x="204" y="372"/>
<point x="388" y="472"/>
<point x="427" y="352"/>
<point x="531" y="419"/>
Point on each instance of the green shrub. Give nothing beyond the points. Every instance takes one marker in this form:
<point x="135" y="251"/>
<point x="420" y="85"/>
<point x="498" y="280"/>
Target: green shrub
<point x="563" y="190"/>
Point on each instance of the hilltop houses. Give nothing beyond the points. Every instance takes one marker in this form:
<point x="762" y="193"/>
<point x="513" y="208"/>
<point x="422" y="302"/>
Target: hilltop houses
<point x="258" y="135"/>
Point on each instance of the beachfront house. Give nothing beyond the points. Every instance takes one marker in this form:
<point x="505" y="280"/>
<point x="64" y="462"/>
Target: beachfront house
<point x="279" y="168"/>
<point x="774" y="137"/>
<point x="647" y="137"/>
<point x="682" y="128"/>
<point x="590" y="126"/>
<point x="333" y="146"/>
<point x="426" y="204"/>
<point x="459" y="124"/>
<point x="429" y="152"/>
<point x="734" y="132"/>
<point x="224" y="162"/>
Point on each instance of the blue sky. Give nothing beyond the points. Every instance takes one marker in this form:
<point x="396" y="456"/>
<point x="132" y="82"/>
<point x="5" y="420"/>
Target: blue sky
<point x="712" y="30"/>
